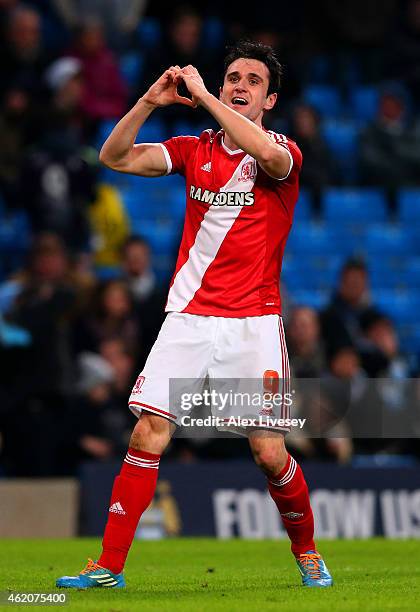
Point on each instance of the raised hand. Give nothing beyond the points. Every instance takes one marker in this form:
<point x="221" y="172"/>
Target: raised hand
<point x="193" y="82"/>
<point x="164" y="91"/>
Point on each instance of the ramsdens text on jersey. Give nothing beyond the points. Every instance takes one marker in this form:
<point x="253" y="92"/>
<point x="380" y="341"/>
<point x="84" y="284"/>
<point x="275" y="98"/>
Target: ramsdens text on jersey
<point x="222" y="198"/>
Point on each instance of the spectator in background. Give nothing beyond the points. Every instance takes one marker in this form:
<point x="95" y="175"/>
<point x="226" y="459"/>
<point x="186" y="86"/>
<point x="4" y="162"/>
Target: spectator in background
<point x="390" y="154"/>
<point x="122" y="360"/>
<point x="111" y="315"/>
<point x="182" y="46"/>
<point x="104" y="91"/>
<point x="381" y="352"/>
<point x="45" y="296"/>
<point x="120" y="17"/>
<point x="355" y="31"/>
<point x="149" y="298"/>
<point x="306" y="352"/>
<point x="318" y="169"/>
<point x="404" y="50"/>
<point x="56" y="183"/>
<point x="98" y="425"/>
<point x="15" y="128"/>
<point x="38" y="379"/>
<point x="382" y="358"/>
<point x="23" y="57"/>
<point x="341" y="320"/>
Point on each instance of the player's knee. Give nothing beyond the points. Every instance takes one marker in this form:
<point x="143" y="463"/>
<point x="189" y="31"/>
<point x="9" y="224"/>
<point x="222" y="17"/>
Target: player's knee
<point x="151" y="433"/>
<point x="270" y="458"/>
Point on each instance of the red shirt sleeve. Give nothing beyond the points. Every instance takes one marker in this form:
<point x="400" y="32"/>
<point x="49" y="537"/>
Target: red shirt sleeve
<point x="293" y="150"/>
<point x="179" y="150"/>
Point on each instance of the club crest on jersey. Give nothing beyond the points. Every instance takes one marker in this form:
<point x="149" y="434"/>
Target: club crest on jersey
<point x="138" y="384"/>
<point x="249" y="171"/>
<point x="222" y="198"/>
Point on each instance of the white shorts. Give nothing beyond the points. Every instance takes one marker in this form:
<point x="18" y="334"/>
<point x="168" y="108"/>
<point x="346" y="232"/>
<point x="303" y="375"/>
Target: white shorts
<point x="207" y="349"/>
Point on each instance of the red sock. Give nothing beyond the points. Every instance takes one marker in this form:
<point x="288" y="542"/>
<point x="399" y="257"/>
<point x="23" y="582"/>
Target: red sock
<point x="132" y="493"/>
<point x="290" y="494"/>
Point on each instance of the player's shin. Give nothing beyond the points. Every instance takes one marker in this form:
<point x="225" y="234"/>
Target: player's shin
<point x="290" y="494"/>
<point x="132" y="493"/>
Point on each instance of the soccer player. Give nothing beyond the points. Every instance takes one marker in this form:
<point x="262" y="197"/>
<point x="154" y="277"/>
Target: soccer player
<point x="224" y="307"/>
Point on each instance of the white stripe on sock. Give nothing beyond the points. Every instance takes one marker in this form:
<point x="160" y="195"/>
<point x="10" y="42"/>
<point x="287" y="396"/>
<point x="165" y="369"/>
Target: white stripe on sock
<point x="145" y="465"/>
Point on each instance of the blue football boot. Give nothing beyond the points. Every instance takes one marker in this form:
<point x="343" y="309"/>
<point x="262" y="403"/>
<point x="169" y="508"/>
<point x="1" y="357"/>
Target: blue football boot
<point x="313" y="570"/>
<point x="93" y="576"/>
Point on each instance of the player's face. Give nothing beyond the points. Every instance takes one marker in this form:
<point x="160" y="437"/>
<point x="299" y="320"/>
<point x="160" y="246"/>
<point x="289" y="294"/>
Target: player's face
<point x="245" y="88"/>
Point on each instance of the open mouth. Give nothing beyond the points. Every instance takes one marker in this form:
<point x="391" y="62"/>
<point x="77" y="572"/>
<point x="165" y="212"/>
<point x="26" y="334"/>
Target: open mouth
<point x="238" y="101"/>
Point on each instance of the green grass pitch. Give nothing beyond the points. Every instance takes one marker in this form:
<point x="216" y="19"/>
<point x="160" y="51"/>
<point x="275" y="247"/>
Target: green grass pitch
<point x="211" y="575"/>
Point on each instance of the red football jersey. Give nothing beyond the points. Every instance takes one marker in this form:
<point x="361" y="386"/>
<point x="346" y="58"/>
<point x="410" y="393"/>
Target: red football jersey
<point x="236" y="225"/>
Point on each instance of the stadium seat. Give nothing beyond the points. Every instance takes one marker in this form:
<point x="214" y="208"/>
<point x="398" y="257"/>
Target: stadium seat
<point x="314" y="299"/>
<point x="411" y="273"/>
<point x="185" y="128"/>
<point x="153" y="130"/>
<point x="300" y="275"/>
<point x="409" y="339"/>
<point x="354" y="206"/>
<point x="213" y="33"/>
<point x="131" y="66"/>
<point x="364" y="103"/>
<point x="391" y="239"/>
<point x="149" y="33"/>
<point x="324" y="98"/>
<point x="318" y="69"/>
<point x="342" y="138"/>
<point x="408" y="204"/>
<point x="381" y="277"/>
<point x="308" y="239"/>
<point x="402" y="306"/>
<point x="304" y="206"/>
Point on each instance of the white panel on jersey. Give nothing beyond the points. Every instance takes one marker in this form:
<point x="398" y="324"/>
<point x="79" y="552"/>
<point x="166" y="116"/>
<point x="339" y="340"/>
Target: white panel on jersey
<point x="214" y="227"/>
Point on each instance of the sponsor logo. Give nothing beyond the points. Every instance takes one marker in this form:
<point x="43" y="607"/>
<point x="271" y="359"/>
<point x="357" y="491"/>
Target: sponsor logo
<point x="221" y="198"/>
<point x="206" y="167"/>
<point x="292" y="515"/>
<point x="117" y="508"/>
<point x="138" y="384"/>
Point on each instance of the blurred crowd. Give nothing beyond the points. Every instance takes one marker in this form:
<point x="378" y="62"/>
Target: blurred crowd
<point x="72" y="340"/>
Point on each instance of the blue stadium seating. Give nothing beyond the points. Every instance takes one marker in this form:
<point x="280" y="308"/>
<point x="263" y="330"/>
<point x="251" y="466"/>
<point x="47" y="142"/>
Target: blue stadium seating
<point x="149" y="33"/>
<point x="408" y="203"/>
<point x="318" y="69"/>
<point x="311" y="239"/>
<point x="364" y="103"/>
<point x="411" y="273"/>
<point x="213" y="33"/>
<point x="185" y="128"/>
<point x="342" y="139"/>
<point x="354" y="206"/>
<point x="409" y="339"/>
<point x="304" y="206"/>
<point x="153" y="130"/>
<point x="401" y="306"/>
<point x="324" y="98"/>
<point x="131" y="65"/>
<point x="388" y="239"/>
<point x="299" y="274"/>
<point x="314" y="299"/>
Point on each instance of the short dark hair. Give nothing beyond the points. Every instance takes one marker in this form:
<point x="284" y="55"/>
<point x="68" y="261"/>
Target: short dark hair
<point x="258" y="51"/>
<point x="354" y="263"/>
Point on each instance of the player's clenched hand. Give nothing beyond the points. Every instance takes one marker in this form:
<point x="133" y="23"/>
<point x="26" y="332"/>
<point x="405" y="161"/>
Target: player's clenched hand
<point x="164" y="91"/>
<point x="194" y="83"/>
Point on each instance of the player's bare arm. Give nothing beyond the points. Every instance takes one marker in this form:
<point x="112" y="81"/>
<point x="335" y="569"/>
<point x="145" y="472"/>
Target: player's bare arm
<point x="120" y="152"/>
<point x="245" y="132"/>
